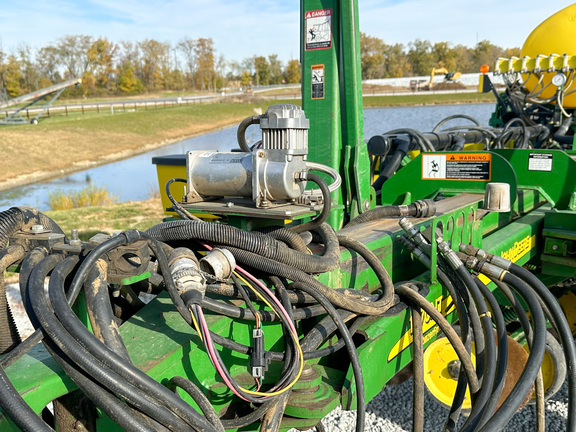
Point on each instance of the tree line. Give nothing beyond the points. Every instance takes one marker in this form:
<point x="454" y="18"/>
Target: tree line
<point x="110" y="68"/>
<point x="381" y="60"/>
<point x="125" y="67"/>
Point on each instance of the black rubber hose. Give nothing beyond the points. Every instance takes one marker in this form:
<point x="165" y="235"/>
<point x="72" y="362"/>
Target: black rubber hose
<point x="286" y="235"/>
<point x="254" y="242"/>
<point x="527" y="328"/>
<point x="418" y="370"/>
<point x="181" y="211"/>
<point x="515" y="398"/>
<point x="455" y="116"/>
<point x="115" y="369"/>
<point x="411" y="295"/>
<point x="269" y="266"/>
<point x="241" y="133"/>
<point x="200" y="399"/>
<point x="351" y="348"/>
<point x="238" y="312"/>
<point x="393" y="163"/>
<point x="98" y="368"/>
<point x="28" y="264"/>
<point x="326" y="206"/>
<point x="490" y="353"/>
<point x="563" y="331"/>
<point x="17" y="409"/>
<point x="99" y="309"/>
<point x="119" y="413"/>
<point x="85" y="382"/>
<point x="375" y="264"/>
<point x="423" y="142"/>
<point x="417" y="209"/>
<point x="502" y="358"/>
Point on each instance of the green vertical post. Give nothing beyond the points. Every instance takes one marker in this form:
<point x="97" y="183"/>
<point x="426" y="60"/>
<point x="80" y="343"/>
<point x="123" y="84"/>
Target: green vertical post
<point x="332" y="98"/>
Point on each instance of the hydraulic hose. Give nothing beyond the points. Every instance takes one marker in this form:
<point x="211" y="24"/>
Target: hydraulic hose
<point x="409" y="294"/>
<point x="181" y="211"/>
<point x="563" y="331"/>
<point x="98" y="366"/>
<point x="200" y="399"/>
<point x="354" y="360"/>
<point x="254" y="242"/>
<point x="375" y="264"/>
<point x="116" y="369"/>
<point x="99" y="309"/>
<point x="502" y="358"/>
<point x="417" y="209"/>
<point x="528" y="376"/>
<point x="418" y="370"/>
<point x="393" y="163"/>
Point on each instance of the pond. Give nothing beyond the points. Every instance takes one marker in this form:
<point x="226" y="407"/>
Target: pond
<point x="134" y="179"/>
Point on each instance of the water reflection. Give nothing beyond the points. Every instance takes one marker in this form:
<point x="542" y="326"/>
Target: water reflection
<point x="134" y="179"/>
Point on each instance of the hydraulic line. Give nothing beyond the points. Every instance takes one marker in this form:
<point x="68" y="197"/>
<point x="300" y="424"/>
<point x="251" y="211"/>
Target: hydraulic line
<point x="90" y="347"/>
<point x="418" y="370"/>
<point x="501" y="417"/>
<point x="351" y="348"/>
<point x="99" y="309"/>
<point x="200" y="399"/>
<point x="181" y="211"/>
<point x="563" y="331"/>
<point x="409" y="294"/>
<point x="502" y="357"/>
<point x="93" y="366"/>
<point x="375" y="264"/>
<point x="418" y="209"/>
<point x="393" y="163"/>
<point x="527" y="328"/>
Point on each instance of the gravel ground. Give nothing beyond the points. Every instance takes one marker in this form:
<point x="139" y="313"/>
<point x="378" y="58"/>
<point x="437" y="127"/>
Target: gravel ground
<point x="391" y="411"/>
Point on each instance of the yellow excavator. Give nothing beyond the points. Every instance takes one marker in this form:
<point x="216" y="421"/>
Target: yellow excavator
<point x="448" y="76"/>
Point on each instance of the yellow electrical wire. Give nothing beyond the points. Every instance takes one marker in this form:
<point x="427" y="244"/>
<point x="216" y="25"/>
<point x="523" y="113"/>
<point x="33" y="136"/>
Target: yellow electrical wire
<point x="294" y="336"/>
<point x="196" y="325"/>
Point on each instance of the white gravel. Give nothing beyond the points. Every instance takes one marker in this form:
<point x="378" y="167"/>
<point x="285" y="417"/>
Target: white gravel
<point x="391" y="411"/>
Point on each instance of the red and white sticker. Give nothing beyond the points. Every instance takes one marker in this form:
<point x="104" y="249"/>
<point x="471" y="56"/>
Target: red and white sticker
<point x="318" y="29"/>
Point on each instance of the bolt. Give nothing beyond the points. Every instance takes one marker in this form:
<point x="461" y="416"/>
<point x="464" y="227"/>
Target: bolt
<point x="454" y="369"/>
<point x="229" y="204"/>
<point x="366" y="205"/>
<point x="37" y="228"/>
<point x="261" y="154"/>
<point x="74" y="239"/>
<point x="555" y="247"/>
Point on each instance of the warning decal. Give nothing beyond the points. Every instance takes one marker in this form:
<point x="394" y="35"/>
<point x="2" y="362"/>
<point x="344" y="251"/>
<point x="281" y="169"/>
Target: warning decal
<point x="540" y="162"/>
<point x="317" y="81"/>
<point x="456" y="166"/>
<point x="318" y="29"/>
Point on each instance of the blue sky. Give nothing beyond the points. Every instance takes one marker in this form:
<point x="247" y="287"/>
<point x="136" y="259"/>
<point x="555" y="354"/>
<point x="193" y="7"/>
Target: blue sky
<point x="242" y="28"/>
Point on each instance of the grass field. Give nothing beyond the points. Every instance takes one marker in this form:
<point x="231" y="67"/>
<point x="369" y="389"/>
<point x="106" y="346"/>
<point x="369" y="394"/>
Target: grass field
<point x="108" y="219"/>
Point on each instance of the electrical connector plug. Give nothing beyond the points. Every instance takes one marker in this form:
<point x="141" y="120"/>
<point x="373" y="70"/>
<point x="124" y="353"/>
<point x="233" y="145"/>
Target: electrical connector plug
<point x="259" y="357"/>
